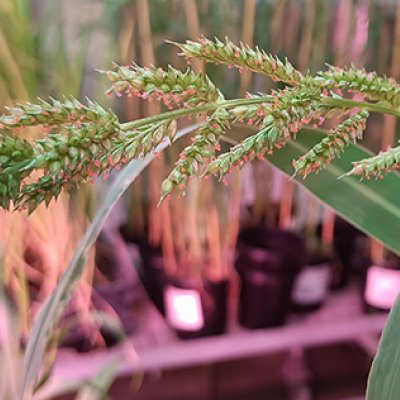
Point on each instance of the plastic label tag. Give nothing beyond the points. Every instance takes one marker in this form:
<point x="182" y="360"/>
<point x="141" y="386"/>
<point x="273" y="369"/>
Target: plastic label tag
<point x="312" y="285"/>
<point x="382" y="287"/>
<point x="183" y="309"/>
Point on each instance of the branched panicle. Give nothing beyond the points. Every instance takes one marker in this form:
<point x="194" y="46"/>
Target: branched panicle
<point x="377" y="166"/>
<point x="242" y="57"/>
<point x="81" y="155"/>
<point x="76" y="136"/>
<point x="54" y="112"/>
<point x="69" y="156"/>
<point x="142" y="141"/>
<point x="203" y="148"/>
<point x="85" y="141"/>
<point x="371" y="85"/>
<point x="285" y="115"/>
<point x="334" y="144"/>
<point x="173" y="87"/>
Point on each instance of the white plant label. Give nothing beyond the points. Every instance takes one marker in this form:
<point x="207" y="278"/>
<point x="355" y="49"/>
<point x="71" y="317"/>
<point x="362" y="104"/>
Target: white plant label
<point x="382" y="287"/>
<point x="312" y="285"/>
<point x="183" y="309"/>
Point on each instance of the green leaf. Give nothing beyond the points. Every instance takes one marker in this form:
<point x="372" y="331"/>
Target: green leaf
<point x="97" y="388"/>
<point x="384" y="378"/>
<point x="372" y="206"/>
<point x="55" y="305"/>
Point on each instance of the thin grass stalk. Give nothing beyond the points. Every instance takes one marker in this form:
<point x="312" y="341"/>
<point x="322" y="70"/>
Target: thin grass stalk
<point x="345" y="22"/>
<point x="304" y="57"/>
<point x="324" y="11"/>
<point x="262" y="206"/>
<point x="292" y="28"/>
<point x="193" y="258"/>
<point x="214" y="245"/>
<point x="173" y="235"/>
<point x="262" y="209"/>
<point x="177" y="212"/>
<point x="285" y="210"/>
<point x="277" y="25"/>
<point x="127" y="46"/>
<point x="389" y="121"/>
<point x="151" y="108"/>
<point x="376" y="249"/>
<point x="168" y="241"/>
<point x="19" y="91"/>
<point x="305" y="49"/>
<point x="193" y="27"/>
<point x="176" y="205"/>
<point x="233" y="225"/>
<point x="174" y="8"/>
<point x="194" y="190"/>
<point x="249" y="13"/>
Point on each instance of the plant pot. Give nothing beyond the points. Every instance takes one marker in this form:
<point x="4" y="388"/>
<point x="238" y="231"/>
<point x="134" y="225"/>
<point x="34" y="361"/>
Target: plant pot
<point x="344" y="242"/>
<point x="153" y="275"/>
<point x="152" y="268"/>
<point x="268" y="263"/>
<point x="382" y="285"/>
<point x="196" y="309"/>
<point x="311" y="287"/>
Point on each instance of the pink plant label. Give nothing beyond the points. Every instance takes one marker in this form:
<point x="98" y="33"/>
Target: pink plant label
<point x="382" y="287"/>
<point x="183" y="309"/>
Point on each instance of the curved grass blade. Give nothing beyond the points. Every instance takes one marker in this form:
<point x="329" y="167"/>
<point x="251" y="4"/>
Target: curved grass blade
<point x="384" y="377"/>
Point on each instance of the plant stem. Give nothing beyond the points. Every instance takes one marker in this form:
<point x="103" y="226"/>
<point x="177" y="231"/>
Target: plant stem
<point x="332" y="102"/>
<point x="339" y="102"/>
<point x="194" y="110"/>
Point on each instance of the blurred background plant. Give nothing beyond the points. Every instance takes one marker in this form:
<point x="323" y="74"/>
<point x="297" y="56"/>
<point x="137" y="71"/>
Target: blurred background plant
<point x="35" y="61"/>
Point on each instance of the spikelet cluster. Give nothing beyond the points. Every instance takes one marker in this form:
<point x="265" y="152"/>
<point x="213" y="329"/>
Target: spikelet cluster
<point x="242" y="57"/>
<point x="378" y="166"/>
<point x="369" y="84"/>
<point x="203" y="147"/>
<point x="173" y="87"/>
<point x="54" y="112"/>
<point x="76" y="135"/>
<point x="349" y="131"/>
<point x="68" y="157"/>
<point x="287" y="112"/>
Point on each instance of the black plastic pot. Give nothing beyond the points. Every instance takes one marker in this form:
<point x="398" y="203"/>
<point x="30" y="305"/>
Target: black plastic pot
<point x="212" y="306"/>
<point x="311" y="287"/>
<point x="151" y="271"/>
<point x="344" y="242"/>
<point x="268" y="263"/>
<point x="153" y="275"/>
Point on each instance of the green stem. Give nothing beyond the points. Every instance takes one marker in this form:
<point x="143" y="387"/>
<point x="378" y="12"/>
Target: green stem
<point x="339" y="102"/>
<point x="331" y="102"/>
<point x="227" y="104"/>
